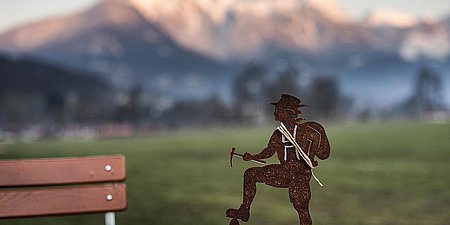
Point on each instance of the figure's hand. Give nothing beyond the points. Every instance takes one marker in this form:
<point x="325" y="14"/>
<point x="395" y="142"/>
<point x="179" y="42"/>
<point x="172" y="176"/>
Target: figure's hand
<point x="247" y="156"/>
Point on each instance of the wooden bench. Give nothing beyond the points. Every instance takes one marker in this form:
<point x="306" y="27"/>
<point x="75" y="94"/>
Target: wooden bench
<point x="62" y="186"/>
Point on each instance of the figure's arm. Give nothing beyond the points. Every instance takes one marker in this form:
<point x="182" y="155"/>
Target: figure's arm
<point x="268" y="151"/>
<point x="319" y="146"/>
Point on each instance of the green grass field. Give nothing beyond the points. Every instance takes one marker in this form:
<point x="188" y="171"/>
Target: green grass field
<point x="376" y="174"/>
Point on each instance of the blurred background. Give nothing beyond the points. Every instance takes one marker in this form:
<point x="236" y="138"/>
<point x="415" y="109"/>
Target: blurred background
<point x="175" y="84"/>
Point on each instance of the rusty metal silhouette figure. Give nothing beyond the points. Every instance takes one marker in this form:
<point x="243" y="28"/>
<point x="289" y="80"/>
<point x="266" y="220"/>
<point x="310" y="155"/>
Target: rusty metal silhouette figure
<point x="296" y="143"/>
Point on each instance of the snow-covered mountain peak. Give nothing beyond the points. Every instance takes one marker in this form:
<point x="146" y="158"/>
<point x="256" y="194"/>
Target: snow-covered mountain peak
<point x="218" y="9"/>
<point x="330" y="9"/>
<point x="390" y="17"/>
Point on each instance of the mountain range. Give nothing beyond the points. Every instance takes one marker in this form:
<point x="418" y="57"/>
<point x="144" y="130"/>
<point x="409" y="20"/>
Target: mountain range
<point x="193" y="48"/>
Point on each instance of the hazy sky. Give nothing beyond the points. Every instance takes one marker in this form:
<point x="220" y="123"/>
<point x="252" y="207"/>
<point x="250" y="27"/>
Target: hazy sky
<point x="15" y="12"/>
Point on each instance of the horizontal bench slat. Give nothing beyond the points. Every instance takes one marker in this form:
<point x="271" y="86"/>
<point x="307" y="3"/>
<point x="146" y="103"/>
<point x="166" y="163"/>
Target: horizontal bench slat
<point x="62" y="200"/>
<point x="33" y="172"/>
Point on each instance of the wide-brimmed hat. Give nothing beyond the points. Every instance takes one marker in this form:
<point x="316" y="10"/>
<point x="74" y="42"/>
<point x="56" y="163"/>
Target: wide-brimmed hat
<point x="289" y="102"/>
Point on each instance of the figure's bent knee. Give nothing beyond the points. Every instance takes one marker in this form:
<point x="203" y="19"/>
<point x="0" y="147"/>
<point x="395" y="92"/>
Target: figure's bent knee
<point x="253" y="173"/>
<point x="250" y="172"/>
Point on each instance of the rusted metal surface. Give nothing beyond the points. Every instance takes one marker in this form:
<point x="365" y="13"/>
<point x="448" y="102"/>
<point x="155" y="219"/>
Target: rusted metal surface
<point x="292" y="172"/>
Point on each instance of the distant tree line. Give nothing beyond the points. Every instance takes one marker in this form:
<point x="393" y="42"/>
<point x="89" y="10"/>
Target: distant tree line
<point x="255" y="88"/>
<point x="252" y="90"/>
<point x="427" y="95"/>
<point x="33" y="93"/>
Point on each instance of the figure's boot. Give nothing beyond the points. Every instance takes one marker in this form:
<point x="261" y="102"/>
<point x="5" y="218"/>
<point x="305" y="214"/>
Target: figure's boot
<point x="234" y="222"/>
<point x="242" y="213"/>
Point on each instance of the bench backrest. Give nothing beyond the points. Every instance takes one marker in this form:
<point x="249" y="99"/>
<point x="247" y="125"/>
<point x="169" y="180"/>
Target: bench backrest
<point x="57" y="186"/>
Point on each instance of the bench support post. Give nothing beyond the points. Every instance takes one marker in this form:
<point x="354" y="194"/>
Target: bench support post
<point x="110" y="218"/>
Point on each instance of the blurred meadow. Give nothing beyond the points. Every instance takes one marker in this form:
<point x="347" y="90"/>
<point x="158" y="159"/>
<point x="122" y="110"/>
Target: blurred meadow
<point x="377" y="174"/>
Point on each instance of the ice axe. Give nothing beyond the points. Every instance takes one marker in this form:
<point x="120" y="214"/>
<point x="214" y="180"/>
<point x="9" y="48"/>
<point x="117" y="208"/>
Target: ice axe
<point x="233" y="153"/>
